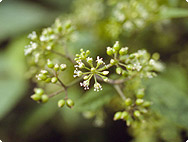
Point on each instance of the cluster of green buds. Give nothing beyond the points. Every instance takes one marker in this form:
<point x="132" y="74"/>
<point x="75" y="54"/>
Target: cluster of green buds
<point x="86" y="69"/>
<point x="47" y="76"/>
<point x="39" y="95"/>
<point x="135" y="109"/>
<point x="58" y="34"/>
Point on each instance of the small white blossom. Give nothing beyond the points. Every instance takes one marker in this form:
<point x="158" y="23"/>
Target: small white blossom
<point x="32" y="35"/>
<point x="37" y="57"/>
<point x="97" y="87"/>
<point x="44" y="71"/>
<point x="77" y="73"/>
<point x="85" y="84"/>
<point x="99" y="61"/>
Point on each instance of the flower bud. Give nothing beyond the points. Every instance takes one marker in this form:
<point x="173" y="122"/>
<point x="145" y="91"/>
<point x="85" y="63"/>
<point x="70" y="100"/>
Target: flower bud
<point x="50" y="64"/>
<point x="105" y="72"/>
<point x="56" y="67"/>
<point x="124" y="115"/>
<point x="116" y="46"/>
<point x="118" y="70"/>
<point x="117" y="115"/>
<point x="44" y="98"/>
<point x="137" y="113"/>
<point x="36" y="97"/>
<point x="123" y="51"/>
<point x="70" y="103"/>
<point x="109" y="51"/>
<point x="63" y="67"/>
<point x="128" y="102"/>
<point x="139" y="101"/>
<point x="61" y="103"/>
<point x="54" y="79"/>
<point x="39" y="91"/>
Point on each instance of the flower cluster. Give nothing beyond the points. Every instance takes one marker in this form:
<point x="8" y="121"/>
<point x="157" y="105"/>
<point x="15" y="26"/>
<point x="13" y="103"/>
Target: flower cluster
<point x="138" y="63"/>
<point x="86" y="68"/>
<point x="58" y="34"/>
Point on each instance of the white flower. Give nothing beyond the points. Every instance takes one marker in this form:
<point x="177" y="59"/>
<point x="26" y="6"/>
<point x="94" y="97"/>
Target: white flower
<point x="85" y="84"/>
<point x="97" y="87"/>
<point x="49" y="47"/>
<point x="80" y="65"/>
<point x="32" y="35"/>
<point x="99" y="60"/>
<point x="77" y="73"/>
<point x="44" y="71"/>
<point x="33" y="45"/>
<point x="89" y="59"/>
<point x="37" y="57"/>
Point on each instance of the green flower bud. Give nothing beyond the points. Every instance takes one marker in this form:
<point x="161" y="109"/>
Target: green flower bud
<point x="61" y="103"/>
<point x="44" y="98"/>
<point x="124" y="73"/>
<point x="50" y="64"/>
<point x="116" y="46"/>
<point x="93" y="69"/>
<point x="42" y="77"/>
<point x="132" y="56"/>
<point x="63" y="67"/>
<point x="45" y="72"/>
<point x="48" y="80"/>
<point x="39" y="91"/>
<point x="87" y="52"/>
<point x="86" y="77"/>
<point x="117" y="115"/>
<point x="113" y="62"/>
<point x="123" y="51"/>
<point x="156" y="56"/>
<point x="109" y="51"/>
<point x="70" y="103"/>
<point x="36" y="97"/>
<point x="56" y="67"/>
<point x="140" y="93"/>
<point x="54" y="79"/>
<point x="128" y="102"/>
<point x="139" y="101"/>
<point x="129" y="67"/>
<point x="118" y="70"/>
<point x="146" y="104"/>
<point x="124" y="115"/>
<point x="137" y="113"/>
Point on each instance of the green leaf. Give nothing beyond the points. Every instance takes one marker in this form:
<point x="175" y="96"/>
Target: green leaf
<point x="12" y="82"/>
<point x="18" y="17"/>
<point x="93" y="100"/>
<point x="168" y="98"/>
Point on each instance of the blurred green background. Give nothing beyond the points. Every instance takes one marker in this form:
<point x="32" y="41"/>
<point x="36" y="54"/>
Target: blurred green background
<point x="22" y="120"/>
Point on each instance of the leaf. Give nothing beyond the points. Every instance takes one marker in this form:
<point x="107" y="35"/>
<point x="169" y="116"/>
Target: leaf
<point x="12" y="82"/>
<point x="92" y="100"/>
<point x="18" y="17"/>
<point x="169" y="99"/>
<point x="168" y="13"/>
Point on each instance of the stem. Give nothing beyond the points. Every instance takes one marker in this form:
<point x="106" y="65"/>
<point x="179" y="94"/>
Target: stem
<point x="118" y="89"/>
<point x="55" y="93"/>
<point x="64" y="56"/>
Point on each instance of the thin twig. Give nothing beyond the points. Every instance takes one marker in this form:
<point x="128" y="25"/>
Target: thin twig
<point x="55" y="93"/>
<point x="118" y="89"/>
<point x="64" y="56"/>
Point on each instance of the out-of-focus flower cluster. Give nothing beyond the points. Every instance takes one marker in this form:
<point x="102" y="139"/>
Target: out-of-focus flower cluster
<point x="40" y="45"/>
